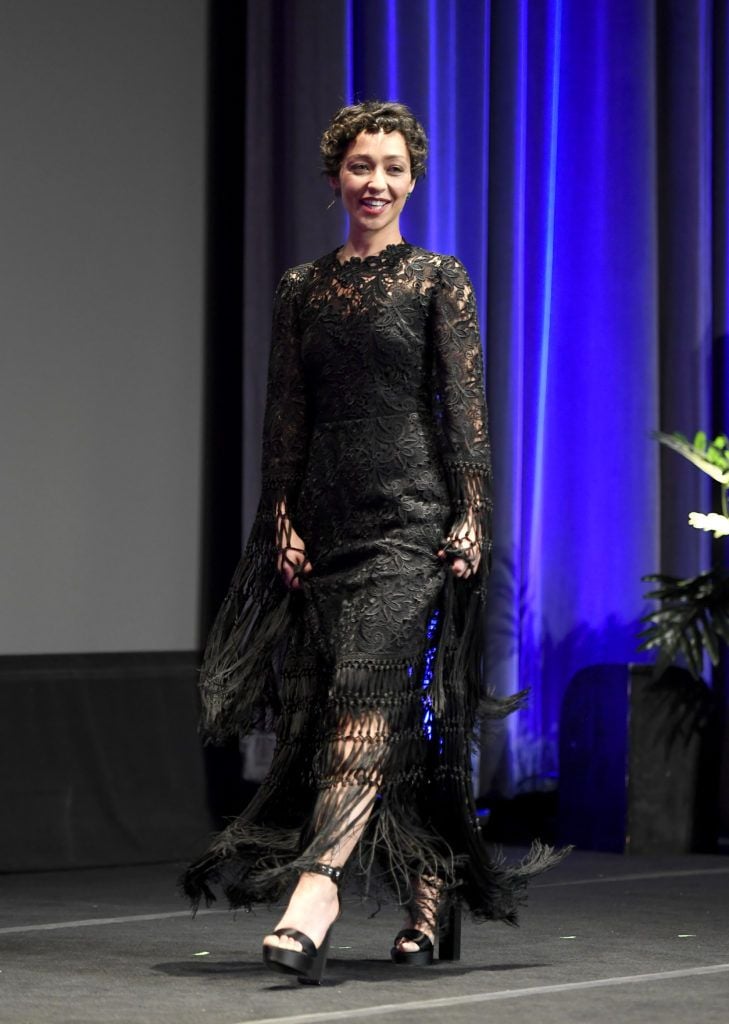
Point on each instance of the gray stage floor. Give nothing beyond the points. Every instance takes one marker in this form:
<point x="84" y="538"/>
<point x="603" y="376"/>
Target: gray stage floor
<point x="604" y="939"/>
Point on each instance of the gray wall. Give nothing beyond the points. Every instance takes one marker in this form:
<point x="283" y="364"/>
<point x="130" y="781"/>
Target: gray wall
<point x="101" y="323"/>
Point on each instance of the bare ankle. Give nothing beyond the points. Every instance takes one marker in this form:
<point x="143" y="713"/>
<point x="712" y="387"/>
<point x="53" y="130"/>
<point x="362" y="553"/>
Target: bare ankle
<point x="315" y="886"/>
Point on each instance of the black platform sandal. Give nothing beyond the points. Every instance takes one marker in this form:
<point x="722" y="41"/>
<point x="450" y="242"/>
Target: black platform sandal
<point x="308" y="963"/>
<point x="448" y="933"/>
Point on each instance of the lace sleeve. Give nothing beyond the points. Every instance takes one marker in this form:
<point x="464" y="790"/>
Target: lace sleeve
<point x="460" y="407"/>
<point x="285" y="425"/>
<point x="238" y="686"/>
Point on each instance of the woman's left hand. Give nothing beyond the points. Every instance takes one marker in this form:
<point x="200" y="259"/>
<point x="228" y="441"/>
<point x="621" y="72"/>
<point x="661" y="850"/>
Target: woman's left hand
<point x="462" y="548"/>
<point x="461" y="567"/>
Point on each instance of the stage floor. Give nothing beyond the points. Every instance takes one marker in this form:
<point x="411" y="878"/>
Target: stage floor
<point x="604" y="938"/>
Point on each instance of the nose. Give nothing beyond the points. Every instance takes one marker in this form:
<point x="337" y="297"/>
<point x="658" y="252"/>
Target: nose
<point x="377" y="180"/>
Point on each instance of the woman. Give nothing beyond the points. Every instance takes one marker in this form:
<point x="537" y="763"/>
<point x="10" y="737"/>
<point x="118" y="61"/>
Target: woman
<point x="353" y="623"/>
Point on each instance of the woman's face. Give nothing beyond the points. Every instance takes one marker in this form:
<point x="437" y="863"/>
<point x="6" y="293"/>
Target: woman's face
<point x="375" y="180"/>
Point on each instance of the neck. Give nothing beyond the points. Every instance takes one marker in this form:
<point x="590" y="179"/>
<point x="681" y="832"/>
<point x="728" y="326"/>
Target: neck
<point x="369" y="243"/>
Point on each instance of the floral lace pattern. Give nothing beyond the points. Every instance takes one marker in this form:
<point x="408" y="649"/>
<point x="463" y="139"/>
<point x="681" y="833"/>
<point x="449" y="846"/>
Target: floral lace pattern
<point x="375" y="457"/>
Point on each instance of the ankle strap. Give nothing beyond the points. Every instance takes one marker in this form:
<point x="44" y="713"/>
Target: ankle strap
<point x="326" y="869"/>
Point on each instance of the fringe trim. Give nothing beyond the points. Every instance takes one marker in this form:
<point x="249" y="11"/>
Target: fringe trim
<point x="248" y="638"/>
<point x="424" y="820"/>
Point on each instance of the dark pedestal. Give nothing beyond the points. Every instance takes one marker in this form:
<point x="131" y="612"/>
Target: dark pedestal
<point x="637" y="762"/>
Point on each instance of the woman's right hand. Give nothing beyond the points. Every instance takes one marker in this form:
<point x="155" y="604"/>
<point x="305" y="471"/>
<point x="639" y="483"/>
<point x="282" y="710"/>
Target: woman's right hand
<point x="292" y="562"/>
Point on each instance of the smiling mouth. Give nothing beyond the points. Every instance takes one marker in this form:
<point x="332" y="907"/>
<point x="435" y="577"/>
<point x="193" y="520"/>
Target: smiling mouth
<point x="375" y="204"/>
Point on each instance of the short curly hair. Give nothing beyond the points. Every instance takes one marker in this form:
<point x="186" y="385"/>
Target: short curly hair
<point x="372" y="116"/>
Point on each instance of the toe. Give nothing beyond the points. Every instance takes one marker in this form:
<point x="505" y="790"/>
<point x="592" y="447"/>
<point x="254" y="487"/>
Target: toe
<point x="282" y="942"/>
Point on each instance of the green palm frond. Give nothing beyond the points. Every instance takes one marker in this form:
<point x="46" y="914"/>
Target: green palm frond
<point x="711" y="457"/>
<point x="693" y="619"/>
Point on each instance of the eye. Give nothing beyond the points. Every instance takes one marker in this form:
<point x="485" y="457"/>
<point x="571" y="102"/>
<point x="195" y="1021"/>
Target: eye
<point x="396" y="170"/>
<point x="359" y="168"/>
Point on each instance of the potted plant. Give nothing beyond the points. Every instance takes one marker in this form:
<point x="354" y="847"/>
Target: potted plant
<point x="691" y="622"/>
<point x="693" y="617"/>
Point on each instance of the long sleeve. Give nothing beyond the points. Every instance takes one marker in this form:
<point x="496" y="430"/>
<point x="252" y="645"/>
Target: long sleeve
<point x="285" y="428"/>
<point x="237" y="684"/>
<point x="460" y="406"/>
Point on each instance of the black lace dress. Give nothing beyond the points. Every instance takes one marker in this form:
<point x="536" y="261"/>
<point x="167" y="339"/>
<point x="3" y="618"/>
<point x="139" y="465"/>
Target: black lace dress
<point x="376" y="445"/>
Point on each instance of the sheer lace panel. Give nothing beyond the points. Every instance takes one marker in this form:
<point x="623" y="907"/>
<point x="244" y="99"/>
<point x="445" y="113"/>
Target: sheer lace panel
<point x="286" y="421"/>
<point x="370" y="666"/>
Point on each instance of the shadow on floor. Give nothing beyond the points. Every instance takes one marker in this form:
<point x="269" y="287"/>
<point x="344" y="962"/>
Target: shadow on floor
<point x="339" y="972"/>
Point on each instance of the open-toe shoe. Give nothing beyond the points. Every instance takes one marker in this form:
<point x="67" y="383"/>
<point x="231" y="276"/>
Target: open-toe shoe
<point x="448" y="934"/>
<point x="308" y="963"/>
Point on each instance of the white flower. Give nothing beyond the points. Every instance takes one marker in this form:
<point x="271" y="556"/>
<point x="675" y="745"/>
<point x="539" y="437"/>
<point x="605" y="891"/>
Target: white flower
<point x="719" y="524"/>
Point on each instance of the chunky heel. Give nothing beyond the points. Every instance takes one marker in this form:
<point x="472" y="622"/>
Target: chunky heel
<point x="308" y="963"/>
<point x="449" y="933"/>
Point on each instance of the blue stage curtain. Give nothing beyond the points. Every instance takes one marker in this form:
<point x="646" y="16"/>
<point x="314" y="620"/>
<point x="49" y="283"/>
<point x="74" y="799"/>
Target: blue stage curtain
<point x="578" y="167"/>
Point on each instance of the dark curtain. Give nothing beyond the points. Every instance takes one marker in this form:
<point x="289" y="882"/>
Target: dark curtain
<point x="294" y="77"/>
<point x="578" y="167"/>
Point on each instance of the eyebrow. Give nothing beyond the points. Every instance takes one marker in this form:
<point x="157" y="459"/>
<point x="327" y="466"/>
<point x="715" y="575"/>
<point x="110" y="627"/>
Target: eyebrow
<point x="365" y="156"/>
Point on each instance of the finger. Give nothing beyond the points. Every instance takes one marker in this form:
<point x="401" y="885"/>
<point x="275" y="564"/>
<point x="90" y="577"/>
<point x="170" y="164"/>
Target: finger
<point x="300" y="568"/>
